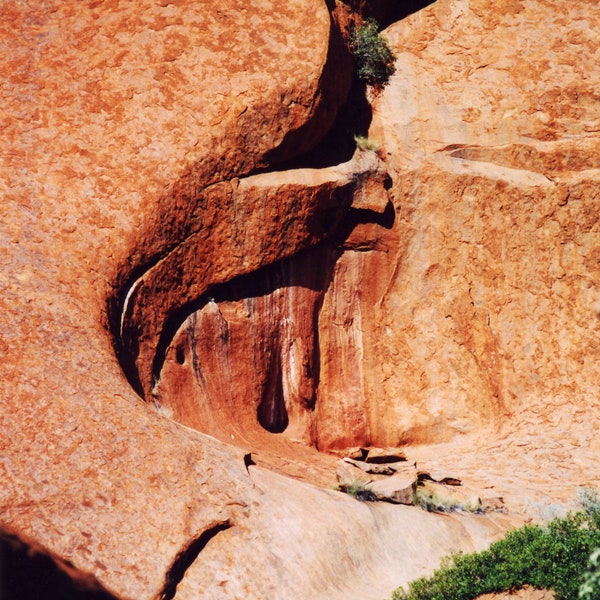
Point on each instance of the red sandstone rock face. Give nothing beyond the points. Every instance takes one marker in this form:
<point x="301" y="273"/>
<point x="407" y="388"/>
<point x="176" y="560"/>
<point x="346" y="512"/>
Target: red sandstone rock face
<point x="483" y="316"/>
<point x="481" y="299"/>
<point x="489" y="306"/>
<point x="477" y="310"/>
<point x="129" y="126"/>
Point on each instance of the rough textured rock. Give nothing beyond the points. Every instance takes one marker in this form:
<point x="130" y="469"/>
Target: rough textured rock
<point x="350" y="476"/>
<point x="248" y="359"/>
<point x="483" y="316"/>
<point x="387" y="468"/>
<point x="105" y="115"/>
<point x="397" y="488"/>
<point x="482" y="312"/>
<point x="123" y="124"/>
<point x="392" y="482"/>
<point x="358" y="538"/>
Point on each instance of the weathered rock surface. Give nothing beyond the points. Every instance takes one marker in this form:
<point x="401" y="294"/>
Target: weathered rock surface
<point x="397" y="488"/>
<point x="247" y="362"/>
<point x="387" y="468"/>
<point x="488" y="300"/>
<point x="478" y="302"/>
<point x="488" y="318"/>
<point x="393" y="482"/>
<point x="123" y="124"/>
<point x="350" y="476"/>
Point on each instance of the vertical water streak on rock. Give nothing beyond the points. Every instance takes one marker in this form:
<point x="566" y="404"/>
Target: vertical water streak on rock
<point x="264" y="373"/>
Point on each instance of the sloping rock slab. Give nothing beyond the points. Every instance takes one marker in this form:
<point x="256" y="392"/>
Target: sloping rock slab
<point x="383" y="468"/>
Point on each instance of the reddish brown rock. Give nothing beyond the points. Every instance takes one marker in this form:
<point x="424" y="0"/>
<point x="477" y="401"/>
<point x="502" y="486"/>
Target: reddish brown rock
<point x="483" y="303"/>
<point x="397" y="488"/>
<point x="122" y="126"/>
<point x="473" y="309"/>
<point x="107" y="111"/>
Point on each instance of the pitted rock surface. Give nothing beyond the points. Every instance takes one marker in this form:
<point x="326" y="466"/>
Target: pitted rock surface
<point x="474" y="310"/>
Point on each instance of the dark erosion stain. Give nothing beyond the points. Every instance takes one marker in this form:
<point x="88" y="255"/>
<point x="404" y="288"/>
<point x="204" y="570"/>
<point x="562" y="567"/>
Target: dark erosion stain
<point x="272" y="412"/>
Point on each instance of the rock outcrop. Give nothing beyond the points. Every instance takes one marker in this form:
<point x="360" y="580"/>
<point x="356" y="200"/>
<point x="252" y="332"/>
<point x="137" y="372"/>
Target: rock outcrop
<point x="138" y="138"/>
<point x="477" y="299"/>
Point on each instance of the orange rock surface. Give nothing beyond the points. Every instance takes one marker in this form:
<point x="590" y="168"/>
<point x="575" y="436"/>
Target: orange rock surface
<point x="145" y="170"/>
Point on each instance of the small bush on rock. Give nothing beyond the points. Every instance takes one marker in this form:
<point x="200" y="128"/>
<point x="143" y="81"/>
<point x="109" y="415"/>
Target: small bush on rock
<point x="359" y="491"/>
<point x="552" y="557"/>
<point x="590" y="588"/>
<point x="374" y="59"/>
<point x="364" y="143"/>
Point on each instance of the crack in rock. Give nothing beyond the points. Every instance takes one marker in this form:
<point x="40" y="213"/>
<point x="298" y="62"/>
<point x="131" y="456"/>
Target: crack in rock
<point x="187" y="556"/>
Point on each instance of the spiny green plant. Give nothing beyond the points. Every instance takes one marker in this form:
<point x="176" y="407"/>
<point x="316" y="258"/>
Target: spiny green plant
<point x="554" y="556"/>
<point x="374" y="58"/>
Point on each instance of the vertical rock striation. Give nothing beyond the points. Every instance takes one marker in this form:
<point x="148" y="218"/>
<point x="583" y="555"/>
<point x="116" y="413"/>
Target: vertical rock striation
<point x="479" y="301"/>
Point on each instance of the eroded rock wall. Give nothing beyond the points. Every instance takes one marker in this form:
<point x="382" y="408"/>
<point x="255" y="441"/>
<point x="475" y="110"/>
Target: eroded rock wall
<point x="480" y="298"/>
<point x="118" y="119"/>
<point x="248" y="361"/>
<point x="491" y="127"/>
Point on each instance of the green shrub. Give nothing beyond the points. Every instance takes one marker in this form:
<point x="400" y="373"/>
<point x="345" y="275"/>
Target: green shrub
<point x="374" y="59"/>
<point x="554" y="557"/>
<point x="590" y="588"/>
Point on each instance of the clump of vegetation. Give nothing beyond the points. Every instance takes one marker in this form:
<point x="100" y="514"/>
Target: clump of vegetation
<point x="359" y="491"/>
<point x="435" y="502"/>
<point x="555" y="556"/>
<point x="364" y="143"/>
<point x="374" y="58"/>
<point x="590" y="588"/>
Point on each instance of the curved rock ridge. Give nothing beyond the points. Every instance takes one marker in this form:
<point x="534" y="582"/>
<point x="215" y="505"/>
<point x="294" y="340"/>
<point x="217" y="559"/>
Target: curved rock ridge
<point x="264" y="122"/>
<point x="247" y="224"/>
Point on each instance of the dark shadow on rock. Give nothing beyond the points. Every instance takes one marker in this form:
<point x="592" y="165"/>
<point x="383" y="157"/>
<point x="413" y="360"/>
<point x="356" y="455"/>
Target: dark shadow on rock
<point x="29" y="571"/>
<point x="386" y="12"/>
